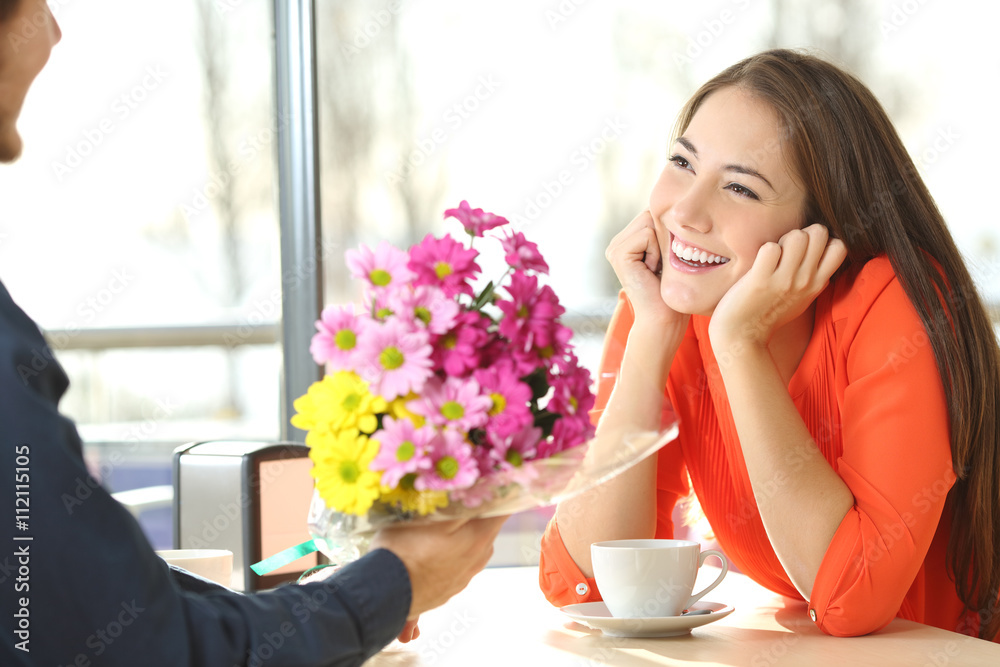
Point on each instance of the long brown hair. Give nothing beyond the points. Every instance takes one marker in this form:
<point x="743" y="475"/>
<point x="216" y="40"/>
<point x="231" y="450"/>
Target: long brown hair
<point x="863" y="186"/>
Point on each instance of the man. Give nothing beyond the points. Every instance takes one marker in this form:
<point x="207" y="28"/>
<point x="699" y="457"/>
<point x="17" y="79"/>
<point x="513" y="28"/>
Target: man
<point x="85" y="587"/>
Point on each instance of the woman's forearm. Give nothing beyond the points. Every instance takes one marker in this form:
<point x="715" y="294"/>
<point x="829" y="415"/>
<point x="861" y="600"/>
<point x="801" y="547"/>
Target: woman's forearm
<point x="801" y="499"/>
<point x="625" y="506"/>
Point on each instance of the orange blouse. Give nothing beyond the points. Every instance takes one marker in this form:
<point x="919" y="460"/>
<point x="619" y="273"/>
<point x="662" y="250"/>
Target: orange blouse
<point x="869" y="392"/>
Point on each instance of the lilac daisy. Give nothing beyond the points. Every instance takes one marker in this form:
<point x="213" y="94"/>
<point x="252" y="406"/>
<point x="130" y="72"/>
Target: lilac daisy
<point x="426" y="307"/>
<point x="336" y="341"/>
<point x="522" y="254"/>
<point x="394" y="360"/>
<point x="456" y="402"/>
<point x="453" y="464"/>
<point x="404" y="449"/>
<point x="379" y="268"/>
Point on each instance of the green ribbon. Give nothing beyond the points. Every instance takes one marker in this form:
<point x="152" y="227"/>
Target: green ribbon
<point x="285" y="557"/>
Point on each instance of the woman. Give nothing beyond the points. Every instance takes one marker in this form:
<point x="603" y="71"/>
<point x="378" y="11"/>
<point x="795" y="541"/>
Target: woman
<point x="794" y="295"/>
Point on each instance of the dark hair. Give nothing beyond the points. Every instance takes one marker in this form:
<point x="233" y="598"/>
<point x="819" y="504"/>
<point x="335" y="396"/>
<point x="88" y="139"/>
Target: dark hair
<point x="7" y="8"/>
<point x="863" y="186"/>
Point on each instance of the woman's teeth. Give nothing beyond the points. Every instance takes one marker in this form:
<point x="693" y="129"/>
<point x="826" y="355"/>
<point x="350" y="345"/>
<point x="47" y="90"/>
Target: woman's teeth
<point x="695" y="256"/>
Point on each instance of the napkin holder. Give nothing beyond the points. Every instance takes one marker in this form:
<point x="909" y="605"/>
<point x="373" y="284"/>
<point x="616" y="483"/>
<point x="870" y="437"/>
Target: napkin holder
<point x="251" y="498"/>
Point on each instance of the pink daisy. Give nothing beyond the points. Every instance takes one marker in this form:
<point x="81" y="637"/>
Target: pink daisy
<point x="513" y="450"/>
<point x="336" y="340"/>
<point x="571" y="392"/>
<point x="458" y="351"/>
<point x="509" y="412"/>
<point x="394" y="360"/>
<point x="531" y="312"/>
<point x="522" y="254"/>
<point x="453" y="465"/>
<point x="403" y="449"/>
<point x="456" y="403"/>
<point x="426" y="307"/>
<point x="444" y="263"/>
<point x="475" y="220"/>
<point x="379" y="268"/>
<point x="568" y="431"/>
<point x="555" y="353"/>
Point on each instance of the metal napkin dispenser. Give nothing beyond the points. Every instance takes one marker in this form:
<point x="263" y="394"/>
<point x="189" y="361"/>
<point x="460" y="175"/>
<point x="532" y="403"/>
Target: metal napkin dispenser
<point x="251" y="498"/>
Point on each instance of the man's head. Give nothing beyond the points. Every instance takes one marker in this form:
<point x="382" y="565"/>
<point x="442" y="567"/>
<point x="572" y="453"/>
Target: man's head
<point x="28" y="31"/>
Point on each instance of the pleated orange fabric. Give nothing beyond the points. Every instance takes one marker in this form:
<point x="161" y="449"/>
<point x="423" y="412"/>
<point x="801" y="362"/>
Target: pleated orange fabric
<point x="870" y="394"/>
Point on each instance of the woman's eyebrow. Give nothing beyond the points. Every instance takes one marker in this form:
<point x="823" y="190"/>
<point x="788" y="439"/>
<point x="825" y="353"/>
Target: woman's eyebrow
<point x="738" y="168"/>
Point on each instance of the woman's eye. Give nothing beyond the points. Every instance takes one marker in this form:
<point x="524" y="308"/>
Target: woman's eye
<point x="680" y="161"/>
<point x="742" y="191"/>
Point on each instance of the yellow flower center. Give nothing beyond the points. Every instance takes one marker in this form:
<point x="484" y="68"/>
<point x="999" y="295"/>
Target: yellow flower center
<point x="380" y="277"/>
<point x="406" y="451"/>
<point x="546" y="352"/>
<point x="391" y="358"/>
<point x="351" y="401"/>
<point x="449" y="341"/>
<point x="447" y="467"/>
<point x="345" y="339"/>
<point x="443" y="270"/>
<point x="499" y="403"/>
<point x="573" y="403"/>
<point x="452" y="410"/>
<point x="382" y="313"/>
<point x="422" y="314"/>
<point x="514" y="458"/>
<point x="522" y="312"/>
<point x="349" y="471"/>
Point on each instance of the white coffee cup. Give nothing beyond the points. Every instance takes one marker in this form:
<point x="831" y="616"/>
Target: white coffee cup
<point x="213" y="564"/>
<point x="650" y="578"/>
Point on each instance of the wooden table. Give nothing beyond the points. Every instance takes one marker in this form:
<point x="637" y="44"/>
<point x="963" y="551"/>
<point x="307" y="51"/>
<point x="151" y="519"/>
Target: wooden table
<point x="503" y="619"/>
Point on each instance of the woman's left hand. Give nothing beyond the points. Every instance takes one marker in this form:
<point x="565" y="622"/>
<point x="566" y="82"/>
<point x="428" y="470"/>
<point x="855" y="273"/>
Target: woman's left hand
<point x="786" y="277"/>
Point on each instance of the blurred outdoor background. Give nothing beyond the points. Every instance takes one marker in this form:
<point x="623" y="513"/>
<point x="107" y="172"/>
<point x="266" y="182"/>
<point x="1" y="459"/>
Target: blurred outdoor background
<point x="146" y="197"/>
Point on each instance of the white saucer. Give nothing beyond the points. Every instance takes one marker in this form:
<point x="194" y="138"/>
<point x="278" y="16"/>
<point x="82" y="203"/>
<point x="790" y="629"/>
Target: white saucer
<point x="597" y="616"/>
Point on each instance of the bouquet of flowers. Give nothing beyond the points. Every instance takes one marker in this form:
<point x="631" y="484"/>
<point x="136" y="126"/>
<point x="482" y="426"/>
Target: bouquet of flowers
<point x="441" y="401"/>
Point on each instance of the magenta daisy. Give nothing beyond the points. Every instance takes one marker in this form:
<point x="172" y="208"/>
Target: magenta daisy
<point x="571" y="394"/>
<point x="510" y="411"/>
<point x="336" y="341"/>
<point x="513" y="450"/>
<point x="453" y="465"/>
<point x="403" y="449"/>
<point x="444" y="263"/>
<point x="381" y="267"/>
<point x="458" y="351"/>
<point x="426" y="307"/>
<point x="531" y="312"/>
<point x="394" y="359"/>
<point x="475" y="220"/>
<point x="568" y="431"/>
<point x="457" y="403"/>
<point x="522" y="254"/>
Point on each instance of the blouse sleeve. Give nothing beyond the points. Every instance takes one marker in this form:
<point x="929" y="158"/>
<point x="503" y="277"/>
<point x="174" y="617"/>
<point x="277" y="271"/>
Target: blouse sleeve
<point x="559" y="577"/>
<point x="896" y="461"/>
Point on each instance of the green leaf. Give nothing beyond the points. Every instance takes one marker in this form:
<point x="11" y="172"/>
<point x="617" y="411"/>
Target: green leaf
<point x="545" y="420"/>
<point x="484" y="297"/>
<point x="538" y="382"/>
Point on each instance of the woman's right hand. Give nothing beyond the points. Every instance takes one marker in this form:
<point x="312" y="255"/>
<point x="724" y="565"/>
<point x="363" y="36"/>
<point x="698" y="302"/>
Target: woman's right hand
<point x="635" y="255"/>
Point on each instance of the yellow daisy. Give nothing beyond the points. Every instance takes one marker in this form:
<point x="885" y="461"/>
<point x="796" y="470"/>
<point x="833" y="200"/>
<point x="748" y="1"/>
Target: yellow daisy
<point x="338" y="401"/>
<point x="397" y="408"/>
<point x="408" y="499"/>
<point x="341" y="467"/>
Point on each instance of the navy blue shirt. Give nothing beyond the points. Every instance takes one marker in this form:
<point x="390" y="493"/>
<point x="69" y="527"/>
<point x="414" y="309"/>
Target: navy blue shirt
<point x="80" y="584"/>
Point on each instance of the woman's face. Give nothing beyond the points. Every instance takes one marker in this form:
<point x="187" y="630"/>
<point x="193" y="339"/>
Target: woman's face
<point x="27" y="38"/>
<point x="726" y="190"/>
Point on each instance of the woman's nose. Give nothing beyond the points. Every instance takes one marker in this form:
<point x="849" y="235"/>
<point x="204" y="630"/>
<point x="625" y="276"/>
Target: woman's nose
<point x="691" y="210"/>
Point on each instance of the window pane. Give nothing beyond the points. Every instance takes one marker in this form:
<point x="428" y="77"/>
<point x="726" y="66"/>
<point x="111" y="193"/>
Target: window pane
<point x="145" y="198"/>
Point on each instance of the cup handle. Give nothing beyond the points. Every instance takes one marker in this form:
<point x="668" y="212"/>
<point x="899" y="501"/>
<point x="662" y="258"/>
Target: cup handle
<point x="701" y="561"/>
